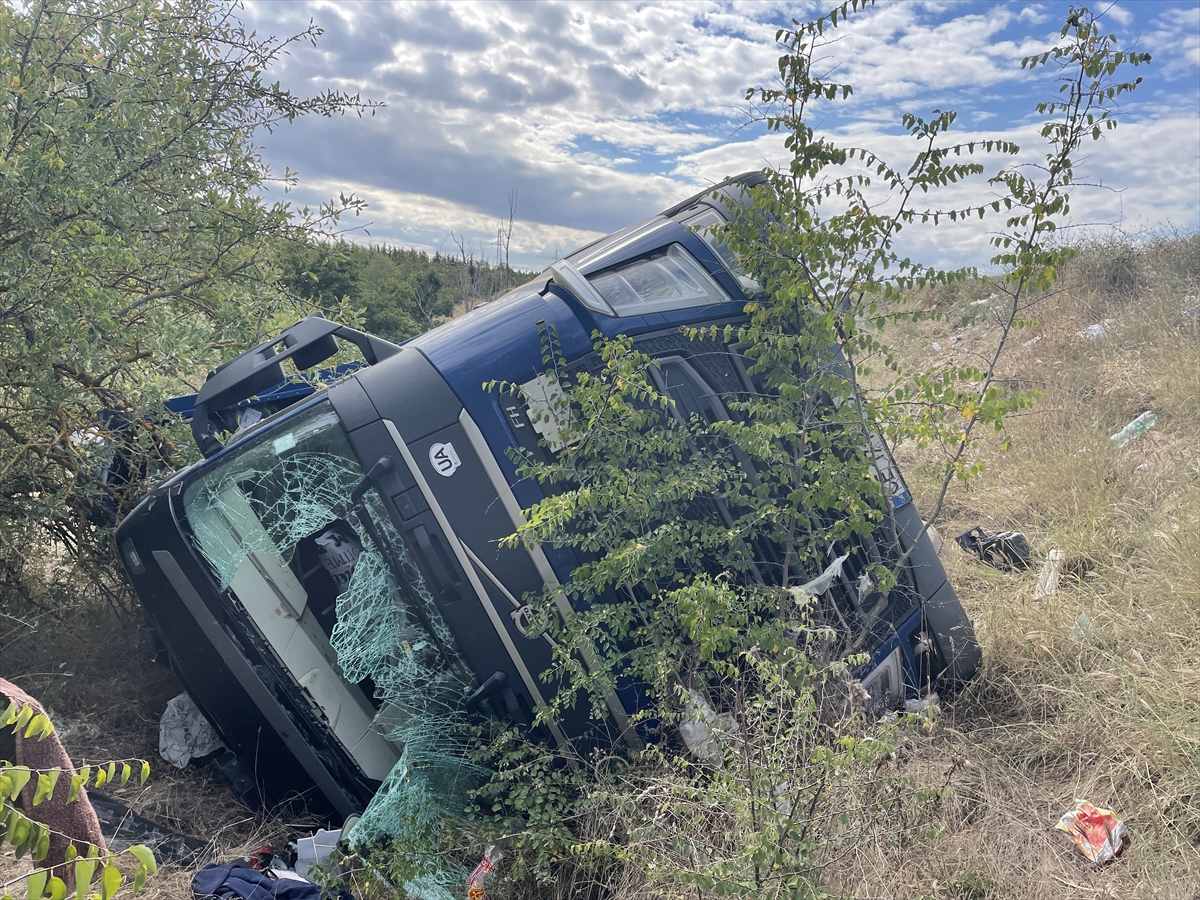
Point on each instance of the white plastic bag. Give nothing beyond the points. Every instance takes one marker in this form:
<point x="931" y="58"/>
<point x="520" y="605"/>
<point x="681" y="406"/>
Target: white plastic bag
<point x="184" y="734"/>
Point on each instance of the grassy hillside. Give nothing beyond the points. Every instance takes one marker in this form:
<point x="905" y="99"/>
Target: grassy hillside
<point x="1093" y="692"/>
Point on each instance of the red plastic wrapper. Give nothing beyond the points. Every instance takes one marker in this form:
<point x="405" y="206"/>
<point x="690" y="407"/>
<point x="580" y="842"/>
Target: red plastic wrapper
<point x="484" y="873"/>
<point x="1098" y="833"/>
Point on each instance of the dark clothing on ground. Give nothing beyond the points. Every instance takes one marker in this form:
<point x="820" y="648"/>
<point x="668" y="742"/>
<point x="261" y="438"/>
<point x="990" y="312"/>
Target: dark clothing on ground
<point x="229" y="882"/>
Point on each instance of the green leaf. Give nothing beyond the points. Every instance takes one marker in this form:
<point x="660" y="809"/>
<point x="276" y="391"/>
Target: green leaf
<point x="77" y="783"/>
<point x="39" y="725"/>
<point x="35" y="884"/>
<point x="20" y="776"/>
<point x="10" y="826"/>
<point x="145" y="773"/>
<point x="85" y="867"/>
<point x="42" y="846"/>
<point x="45" y="786"/>
<point x="110" y="882"/>
<point x="58" y="888"/>
<point x="19" y="838"/>
<point x="145" y="856"/>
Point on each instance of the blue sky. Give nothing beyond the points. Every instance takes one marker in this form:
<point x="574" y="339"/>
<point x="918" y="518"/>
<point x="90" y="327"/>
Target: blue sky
<point x="598" y="114"/>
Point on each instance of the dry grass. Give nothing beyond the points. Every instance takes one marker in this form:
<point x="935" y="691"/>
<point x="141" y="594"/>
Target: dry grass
<point x="1106" y="709"/>
<point x="91" y="666"/>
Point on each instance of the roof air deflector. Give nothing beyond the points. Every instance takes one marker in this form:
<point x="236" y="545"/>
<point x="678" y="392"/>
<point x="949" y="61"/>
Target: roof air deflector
<point x="307" y="343"/>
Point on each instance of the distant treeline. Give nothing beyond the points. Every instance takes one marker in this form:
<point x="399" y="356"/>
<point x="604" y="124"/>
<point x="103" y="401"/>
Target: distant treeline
<point x="403" y="292"/>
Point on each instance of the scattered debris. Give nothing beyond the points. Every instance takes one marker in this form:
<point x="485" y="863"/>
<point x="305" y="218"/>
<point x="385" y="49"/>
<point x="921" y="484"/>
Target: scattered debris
<point x="1098" y="330"/>
<point x="241" y="881"/>
<point x="184" y="734"/>
<point x="123" y="828"/>
<point x="1004" y="550"/>
<point x="1191" y="306"/>
<point x="703" y="728"/>
<point x="937" y="346"/>
<point x="1134" y="429"/>
<point x="1082" y="632"/>
<point x="920" y="704"/>
<point x="316" y="849"/>
<point x="955" y="339"/>
<point x="248" y="418"/>
<point x="484" y="874"/>
<point x="267" y="857"/>
<point x="1047" y="582"/>
<point x="985" y="301"/>
<point x="1032" y="341"/>
<point x="822" y="582"/>
<point x="1098" y="833"/>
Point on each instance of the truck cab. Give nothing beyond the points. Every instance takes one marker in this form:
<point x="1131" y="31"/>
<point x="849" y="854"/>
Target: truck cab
<point x="352" y="537"/>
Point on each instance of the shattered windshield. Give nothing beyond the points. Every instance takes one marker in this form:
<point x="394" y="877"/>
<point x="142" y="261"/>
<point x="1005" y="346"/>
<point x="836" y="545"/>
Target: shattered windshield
<point x="277" y="490"/>
<point x="332" y="588"/>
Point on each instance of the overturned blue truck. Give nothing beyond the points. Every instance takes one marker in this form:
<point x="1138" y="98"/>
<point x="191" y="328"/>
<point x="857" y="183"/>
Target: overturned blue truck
<point x="241" y="558"/>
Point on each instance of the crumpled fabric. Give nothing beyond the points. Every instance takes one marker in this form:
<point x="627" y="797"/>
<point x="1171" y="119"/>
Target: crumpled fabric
<point x="184" y="734"/>
<point x="229" y="882"/>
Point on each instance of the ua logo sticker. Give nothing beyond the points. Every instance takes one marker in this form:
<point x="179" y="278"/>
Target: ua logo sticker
<point x="444" y="459"/>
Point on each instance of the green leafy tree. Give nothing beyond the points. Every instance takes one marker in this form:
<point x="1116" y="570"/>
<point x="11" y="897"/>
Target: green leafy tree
<point x="429" y="301"/>
<point x="320" y="274"/>
<point x="821" y="236"/>
<point x="135" y="243"/>
<point x="387" y="297"/>
<point x="684" y="599"/>
<point x="401" y="292"/>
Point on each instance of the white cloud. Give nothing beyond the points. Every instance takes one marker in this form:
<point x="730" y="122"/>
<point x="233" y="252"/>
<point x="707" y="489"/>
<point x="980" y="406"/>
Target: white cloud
<point x="420" y="222"/>
<point x="1118" y="14"/>
<point x="1035" y="15"/>
<point x="601" y="113"/>
<point x="1141" y="175"/>
<point x="1176" y="36"/>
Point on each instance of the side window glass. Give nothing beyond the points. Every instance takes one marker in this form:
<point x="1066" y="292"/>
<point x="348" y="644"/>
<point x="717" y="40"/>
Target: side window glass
<point x="707" y="225"/>
<point x="671" y="279"/>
